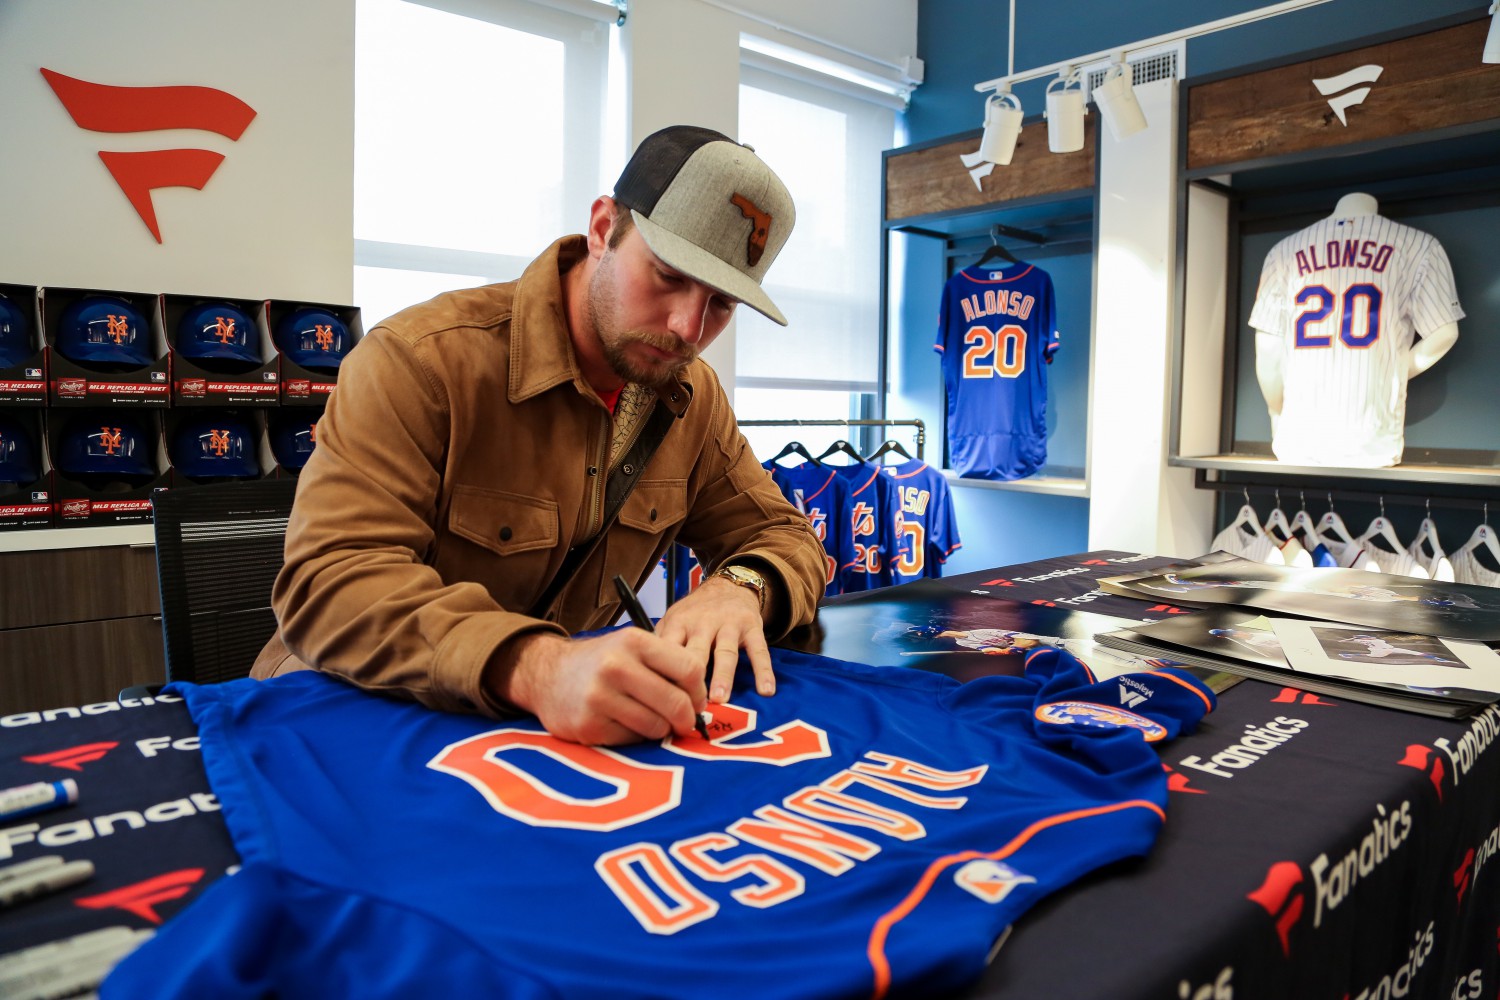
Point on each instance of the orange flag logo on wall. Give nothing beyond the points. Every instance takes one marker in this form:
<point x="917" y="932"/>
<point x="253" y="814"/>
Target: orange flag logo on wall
<point x="760" y="226"/>
<point x="100" y="107"/>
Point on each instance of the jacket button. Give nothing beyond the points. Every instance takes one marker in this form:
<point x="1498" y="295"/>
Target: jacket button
<point x="505" y="533"/>
<point x="629" y="470"/>
<point x="593" y="470"/>
<point x="653" y="513"/>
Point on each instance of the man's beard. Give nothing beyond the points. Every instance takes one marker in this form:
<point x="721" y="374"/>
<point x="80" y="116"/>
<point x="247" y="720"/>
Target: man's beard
<point x="614" y="342"/>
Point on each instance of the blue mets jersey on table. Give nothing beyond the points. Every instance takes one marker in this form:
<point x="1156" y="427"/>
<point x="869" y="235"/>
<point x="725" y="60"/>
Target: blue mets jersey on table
<point x="864" y="832"/>
<point x="997" y="332"/>
<point x="929" y="527"/>
<point x="823" y="496"/>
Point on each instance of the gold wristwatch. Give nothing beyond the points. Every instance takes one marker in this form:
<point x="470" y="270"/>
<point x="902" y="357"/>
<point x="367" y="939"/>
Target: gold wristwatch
<point x="746" y="577"/>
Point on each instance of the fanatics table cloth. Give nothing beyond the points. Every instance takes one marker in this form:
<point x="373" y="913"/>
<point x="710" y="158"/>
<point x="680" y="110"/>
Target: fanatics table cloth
<point x="864" y="832"/>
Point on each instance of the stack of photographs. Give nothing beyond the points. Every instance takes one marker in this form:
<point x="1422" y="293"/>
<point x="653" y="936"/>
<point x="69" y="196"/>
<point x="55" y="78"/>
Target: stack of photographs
<point x="1414" y="645"/>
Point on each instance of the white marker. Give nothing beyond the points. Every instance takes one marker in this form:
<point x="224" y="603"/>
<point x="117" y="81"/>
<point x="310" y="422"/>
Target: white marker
<point x="23" y="800"/>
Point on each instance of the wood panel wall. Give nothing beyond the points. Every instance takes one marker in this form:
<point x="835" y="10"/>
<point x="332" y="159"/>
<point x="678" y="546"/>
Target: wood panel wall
<point x="934" y="179"/>
<point x="1428" y="81"/>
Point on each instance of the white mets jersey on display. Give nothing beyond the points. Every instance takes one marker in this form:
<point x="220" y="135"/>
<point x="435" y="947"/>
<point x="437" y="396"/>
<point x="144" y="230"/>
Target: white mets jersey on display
<point x="1348" y="297"/>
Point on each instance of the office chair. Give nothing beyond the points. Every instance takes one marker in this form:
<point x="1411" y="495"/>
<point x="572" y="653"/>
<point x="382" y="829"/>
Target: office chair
<point x="218" y="550"/>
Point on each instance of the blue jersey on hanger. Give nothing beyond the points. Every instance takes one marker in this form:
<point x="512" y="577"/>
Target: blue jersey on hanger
<point x="997" y="332"/>
<point x="864" y="832"/>
<point x="929" y="525"/>
<point x="820" y="493"/>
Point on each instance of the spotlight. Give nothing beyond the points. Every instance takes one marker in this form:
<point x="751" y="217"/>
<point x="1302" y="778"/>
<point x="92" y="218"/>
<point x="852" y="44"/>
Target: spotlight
<point x="1002" y="126"/>
<point x="1065" y="113"/>
<point x="1492" y="42"/>
<point x="1116" y="99"/>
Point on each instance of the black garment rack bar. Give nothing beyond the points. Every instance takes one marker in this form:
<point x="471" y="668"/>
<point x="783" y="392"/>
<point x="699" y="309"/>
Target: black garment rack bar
<point x="919" y="425"/>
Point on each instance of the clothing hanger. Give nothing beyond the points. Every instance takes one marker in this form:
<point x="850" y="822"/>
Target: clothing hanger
<point x="1380" y="529"/>
<point x="1484" y="537"/>
<point x="841" y="446"/>
<point x="1432" y="560"/>
<point x="886" y="448"/>
<point x="1279" y="530"/>
<point x="1276" y="524"/>
<point x="1331" y="522"/>
<point x="995" y="250"/>
<point x="1303" y="527"/>
<point x="1426" y="534"/>
<point x="795" y="448"/>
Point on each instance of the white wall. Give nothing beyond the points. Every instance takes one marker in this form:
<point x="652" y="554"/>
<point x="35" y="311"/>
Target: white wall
<point x="275" y="219"/>
<point x="1137" y="502"/>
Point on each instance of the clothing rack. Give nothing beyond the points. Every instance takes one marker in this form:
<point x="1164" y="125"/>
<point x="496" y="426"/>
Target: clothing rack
<point x="1353" y="496"/>
<point x="919" y="425"/>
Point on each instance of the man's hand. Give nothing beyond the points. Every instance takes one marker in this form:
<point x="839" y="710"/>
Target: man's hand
<point x="622" y="687"/>
<point x="718" y="620"/>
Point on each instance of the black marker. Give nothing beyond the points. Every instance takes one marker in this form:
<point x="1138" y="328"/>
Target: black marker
<point x="640" y="619"/>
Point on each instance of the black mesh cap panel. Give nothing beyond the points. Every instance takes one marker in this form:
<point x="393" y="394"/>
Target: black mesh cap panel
<point x="656" y="162"/>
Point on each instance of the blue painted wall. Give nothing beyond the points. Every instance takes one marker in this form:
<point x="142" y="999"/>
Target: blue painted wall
<point x="963" y="42"/>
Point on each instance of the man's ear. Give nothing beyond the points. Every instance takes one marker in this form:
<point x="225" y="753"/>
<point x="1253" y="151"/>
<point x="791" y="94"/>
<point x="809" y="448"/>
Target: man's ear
<point x="601" y="218"/>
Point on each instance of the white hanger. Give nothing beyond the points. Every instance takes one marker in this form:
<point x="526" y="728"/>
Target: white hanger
<point x="1303" y="527"/>
<point x="1279" y="530"/>
<point x="1331" y="522"/>
<point x="1277" y="525"/>
<point x="1382" y="529"/>
<point x="1431" y="561"/>
<point x="1426" y="533"/>
<point x="1484" y="536"/>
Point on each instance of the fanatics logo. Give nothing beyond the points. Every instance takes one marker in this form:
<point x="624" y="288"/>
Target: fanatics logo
<point x="142" y="898"/>
<point x="989" y="880"/>
<point x="1425" y="760"/>
<point x="72" y="758"/>
<point x="1340" y="103"/>
<point x="1280" y="897"/>
<point x="1178" y="782"/>
<point x="100" y="107"/>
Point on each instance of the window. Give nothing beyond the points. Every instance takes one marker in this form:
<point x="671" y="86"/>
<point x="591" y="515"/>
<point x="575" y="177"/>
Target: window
<point x="826" y="146"/>
<point x="479" y="139"/>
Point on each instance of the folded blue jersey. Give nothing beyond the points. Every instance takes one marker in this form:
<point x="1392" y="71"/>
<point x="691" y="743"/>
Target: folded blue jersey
<point x="864" y="832"/>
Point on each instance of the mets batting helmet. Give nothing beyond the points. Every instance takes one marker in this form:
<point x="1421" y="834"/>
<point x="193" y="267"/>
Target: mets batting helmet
<point x="215" y="446"/>
<point x="104" y="329"/>
<point x="313" y="338"/>
<point x="15" y="334"/>
<point x="107" y="443"/>
<point x="293" y="437"/>
<point x="18" y="462"/>
<point x="218" y="331"/>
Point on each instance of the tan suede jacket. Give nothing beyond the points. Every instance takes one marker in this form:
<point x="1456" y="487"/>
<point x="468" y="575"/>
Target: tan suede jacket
<point x="459" y="459"/>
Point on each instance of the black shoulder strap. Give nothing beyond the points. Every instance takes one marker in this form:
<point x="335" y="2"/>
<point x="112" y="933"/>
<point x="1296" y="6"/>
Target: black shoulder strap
<point x="616" y="489"/>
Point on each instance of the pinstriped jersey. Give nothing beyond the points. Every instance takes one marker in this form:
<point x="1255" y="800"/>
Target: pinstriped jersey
<point x="865" y="832"/>
<point x="1348" y="297"/>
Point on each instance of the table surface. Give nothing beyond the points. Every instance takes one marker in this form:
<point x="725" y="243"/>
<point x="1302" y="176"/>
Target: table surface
<point x="1314" y="848"/>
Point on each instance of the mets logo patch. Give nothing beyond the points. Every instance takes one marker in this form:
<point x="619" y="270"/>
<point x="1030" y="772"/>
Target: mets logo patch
<point x="1096" y="716"/>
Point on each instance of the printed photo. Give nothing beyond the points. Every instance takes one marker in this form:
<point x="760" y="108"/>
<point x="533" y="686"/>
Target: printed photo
<point x="1379" y="656"/>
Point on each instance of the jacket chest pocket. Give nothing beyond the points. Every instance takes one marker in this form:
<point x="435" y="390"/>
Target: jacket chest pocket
<point x="655" y="506"/>
<point x="505" y="523"/>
